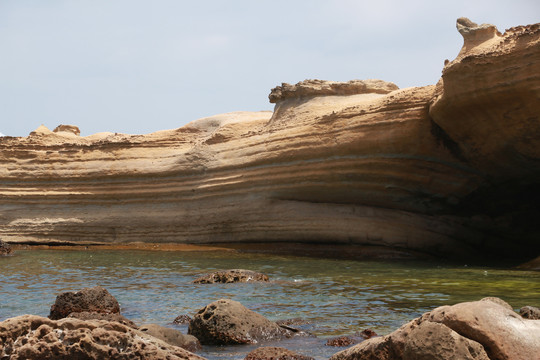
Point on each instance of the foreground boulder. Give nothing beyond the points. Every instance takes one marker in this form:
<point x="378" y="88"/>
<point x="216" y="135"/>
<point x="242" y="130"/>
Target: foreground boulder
<point x="96" y="299"/>
<point x="172" y="336"/>
<point x="5" y="249"/>
<point x="32" y="337"/>
<point x="480" y="330"/>
<point x="275" y="353"/>
<point x="231" y="276"/>
<point x="229" y="322"/>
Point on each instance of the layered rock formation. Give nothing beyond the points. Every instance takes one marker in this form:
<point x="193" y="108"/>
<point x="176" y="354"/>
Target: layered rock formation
<point x="450" y="169"/>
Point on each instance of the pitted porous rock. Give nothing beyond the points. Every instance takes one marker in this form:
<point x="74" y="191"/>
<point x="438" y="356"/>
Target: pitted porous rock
<point x="229" y="322"/>
<point x="31" y="337"/>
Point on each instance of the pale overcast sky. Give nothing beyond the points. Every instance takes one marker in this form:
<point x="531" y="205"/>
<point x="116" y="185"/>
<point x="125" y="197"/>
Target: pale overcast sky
<point x="135" y="66"/>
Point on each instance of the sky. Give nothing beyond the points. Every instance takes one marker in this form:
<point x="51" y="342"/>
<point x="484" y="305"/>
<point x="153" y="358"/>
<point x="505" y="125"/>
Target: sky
<point x="135" y="67"/>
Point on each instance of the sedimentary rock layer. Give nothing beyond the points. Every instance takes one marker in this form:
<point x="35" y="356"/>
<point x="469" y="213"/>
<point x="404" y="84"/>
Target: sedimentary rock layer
<point x="351" y="163"/>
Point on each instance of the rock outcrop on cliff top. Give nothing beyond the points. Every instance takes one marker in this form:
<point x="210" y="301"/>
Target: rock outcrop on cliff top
<point x="451" y="169"/>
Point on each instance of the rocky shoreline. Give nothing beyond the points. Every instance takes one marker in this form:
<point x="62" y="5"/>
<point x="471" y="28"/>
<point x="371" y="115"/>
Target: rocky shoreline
<point x="88" y="324"/>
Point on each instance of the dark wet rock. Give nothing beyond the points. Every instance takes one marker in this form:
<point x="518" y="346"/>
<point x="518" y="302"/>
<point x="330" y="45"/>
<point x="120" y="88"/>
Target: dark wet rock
<point x="31" y="337"/>
<point x="172" y="336"/>
<point x="343" y="341"/>
<point x="182" y="319"/>
<point x="5" y="248"/>
<point x="530" y="312"/>
<point x="479" y="330"/>
<point x="85" y="315"/>
<point x="96" y="299"/>
<point x="229" y="322"/>
<point x="275" y="353"/>
<point x="367" y="334"/>
<point x="231" y="276"/>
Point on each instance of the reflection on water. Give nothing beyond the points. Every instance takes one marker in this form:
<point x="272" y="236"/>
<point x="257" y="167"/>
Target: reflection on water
<point x="335" y="296"/>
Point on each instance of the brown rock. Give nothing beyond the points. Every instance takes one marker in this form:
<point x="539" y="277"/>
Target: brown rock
<point x="343" y="341"/>
<point x="311" y="88"/>
<point x="530" y="312"/>
<point x="275" y="353"/>
<point x="96" y="299"/>
<point x="32" y="337"/>
<point x="231" y="276"/>
<point x="172" y="336"/>
<point x="85" y="315"/>
<point x="182" y="319"/>
<point x="229" y="322"/>
<point x="484" y="330"/>
<point x="5" y="249"/>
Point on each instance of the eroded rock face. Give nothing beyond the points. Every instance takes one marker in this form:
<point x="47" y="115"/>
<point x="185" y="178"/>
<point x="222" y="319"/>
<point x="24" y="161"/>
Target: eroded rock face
<point x="449" y="170"/>
<point x="275" y="353"/>
<point x="172" y="337"/>
<point x="68" y="128"/>
<point x="473" y="330"/>
<point x="229" y="322"/>
<point x="530" y="312"/>
<point x="232" y="276"/>
<point x="32" y="337"/>
<point x="85" y="315"/>
<point x="312" y="88"/>
<point x="96" y="299"/>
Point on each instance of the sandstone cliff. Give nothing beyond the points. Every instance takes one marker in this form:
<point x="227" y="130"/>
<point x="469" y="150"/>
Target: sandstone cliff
<point x="451" y="169"/>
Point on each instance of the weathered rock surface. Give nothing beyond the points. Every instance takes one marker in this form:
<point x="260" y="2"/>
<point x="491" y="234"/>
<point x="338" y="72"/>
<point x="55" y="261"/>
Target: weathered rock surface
<point x="451" y="170"/>
<point x="172" y="336"/>
<point x="88" y="300"/>
<point x="85" y="315"/>
<point x="229" y="322"/>
<point x="231" y="276"/>
<point x="473" y="330"/>
<point x="275" y="353"/>
<point x="32" y="337"/>
<point x="353" y="339"/>
<point x="5" y="249"/>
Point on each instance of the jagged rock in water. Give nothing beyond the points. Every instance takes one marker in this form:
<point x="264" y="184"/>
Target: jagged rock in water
<point x="229" y="322"/>
<point x="33" y="337"/>
<point x="5" y="248"/>
<point x="231" y="276"/>
<point x="530" y="312"/>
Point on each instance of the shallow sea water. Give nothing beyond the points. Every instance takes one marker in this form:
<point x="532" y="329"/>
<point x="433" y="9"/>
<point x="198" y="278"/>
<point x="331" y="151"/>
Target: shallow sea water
<point x="335" y="297"/>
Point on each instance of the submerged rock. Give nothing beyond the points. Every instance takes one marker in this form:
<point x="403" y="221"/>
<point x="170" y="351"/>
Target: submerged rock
<point x="96" y="299"/>
<point x="275" y="353"/>
<point x="32" y="337"/>
<point x="231" y="276"/>
<point x="479" y="330"/>
<point x="5" y="248"/>
<point x="172" y="336"/>
<point x="182" y="319"/>
<point x="530" y="312"/>
<point x="351" y="340"/>
<point x="229" y="322"/>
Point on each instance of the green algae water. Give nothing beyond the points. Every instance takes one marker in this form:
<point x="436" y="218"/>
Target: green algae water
<point x="332" y="297"/>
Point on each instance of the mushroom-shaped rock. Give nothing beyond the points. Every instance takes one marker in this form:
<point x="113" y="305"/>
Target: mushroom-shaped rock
<point x="96" y="299"/>
<point x="33" y="337"/>
<point x="229" y="322"/>
<point x="68" y="128"/>
<point x="231" y="276"/>
<point x="275" y="353"/>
